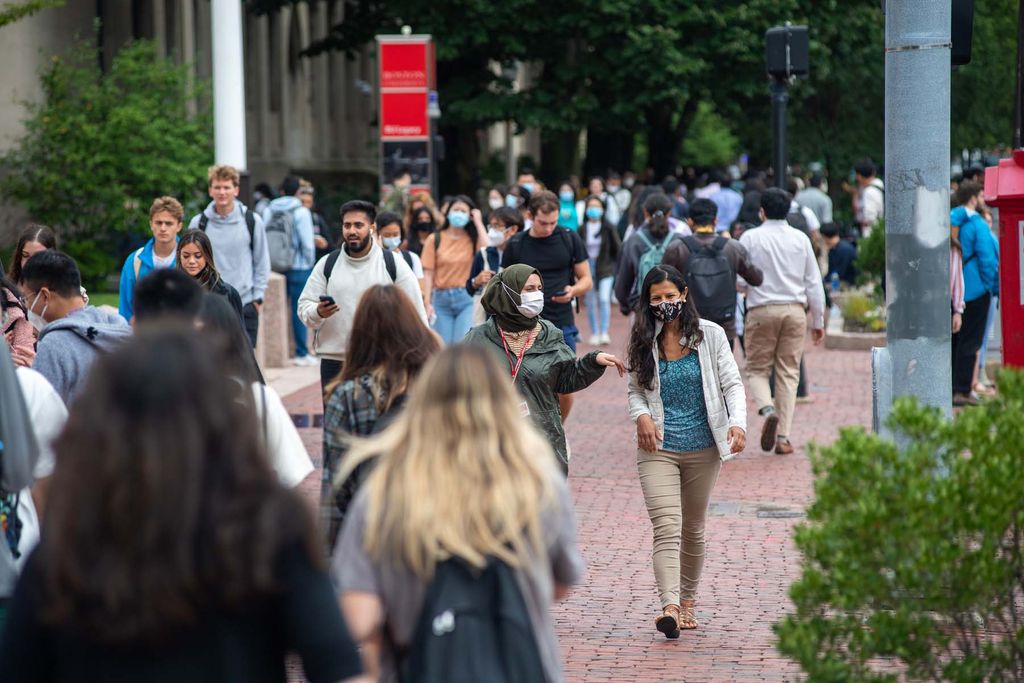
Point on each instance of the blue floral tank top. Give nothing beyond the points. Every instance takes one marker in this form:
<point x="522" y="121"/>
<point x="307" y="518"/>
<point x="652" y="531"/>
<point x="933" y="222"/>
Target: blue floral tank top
<point x="686" y="414"/>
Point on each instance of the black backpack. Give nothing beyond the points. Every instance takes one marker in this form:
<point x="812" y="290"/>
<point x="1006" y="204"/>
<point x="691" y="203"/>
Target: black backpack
<point x="473" y="627"/>
<point x="711" y="280"/>
<point x="389" y="263"/>
<point x="798" y="220"/>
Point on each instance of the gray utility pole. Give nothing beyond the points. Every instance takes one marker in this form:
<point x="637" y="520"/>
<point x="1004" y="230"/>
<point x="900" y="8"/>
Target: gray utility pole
<point x="916" y="361"/>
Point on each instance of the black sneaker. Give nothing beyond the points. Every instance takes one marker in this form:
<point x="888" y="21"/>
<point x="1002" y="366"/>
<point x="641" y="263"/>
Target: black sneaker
<point x="769" y="430"/>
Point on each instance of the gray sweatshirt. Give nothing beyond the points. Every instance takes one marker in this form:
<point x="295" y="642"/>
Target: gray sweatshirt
<point x="243" y="265"/>
<point x="68" y="346"/>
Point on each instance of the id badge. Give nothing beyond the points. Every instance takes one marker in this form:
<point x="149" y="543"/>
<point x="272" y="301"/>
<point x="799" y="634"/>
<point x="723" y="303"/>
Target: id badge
<point x="524" y="409"/>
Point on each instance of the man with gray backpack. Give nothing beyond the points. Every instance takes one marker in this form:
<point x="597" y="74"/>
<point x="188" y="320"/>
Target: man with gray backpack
<point x="289" y="227"/>
<point x="710" y="264"/>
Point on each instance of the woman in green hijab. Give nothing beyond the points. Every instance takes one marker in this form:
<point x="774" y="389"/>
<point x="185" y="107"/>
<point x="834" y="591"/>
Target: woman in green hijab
<point x="539" y="362"/>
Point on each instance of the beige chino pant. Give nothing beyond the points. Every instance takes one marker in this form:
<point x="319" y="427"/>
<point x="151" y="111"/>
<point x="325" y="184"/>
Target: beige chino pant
<point x="774" y="338"/>
<point x="677" y="489"/>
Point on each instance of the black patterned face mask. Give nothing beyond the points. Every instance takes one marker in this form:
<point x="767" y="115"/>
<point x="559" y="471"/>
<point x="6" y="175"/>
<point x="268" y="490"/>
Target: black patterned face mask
<point x="667" y="311"/>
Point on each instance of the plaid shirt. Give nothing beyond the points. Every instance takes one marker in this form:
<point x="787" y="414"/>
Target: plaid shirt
<point x="351" y="411"/>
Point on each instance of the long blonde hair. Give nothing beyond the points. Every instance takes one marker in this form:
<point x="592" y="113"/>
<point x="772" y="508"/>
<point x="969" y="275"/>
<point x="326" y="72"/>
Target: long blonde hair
<point x="460" y="473"/>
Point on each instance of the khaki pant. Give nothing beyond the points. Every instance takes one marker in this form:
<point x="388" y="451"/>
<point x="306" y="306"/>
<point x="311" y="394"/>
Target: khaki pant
<point x="677" y="489"/>
<point x="774" y="337"/>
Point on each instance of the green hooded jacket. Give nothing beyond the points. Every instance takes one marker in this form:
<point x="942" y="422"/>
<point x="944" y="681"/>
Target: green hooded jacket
<point x="549" y="368"/>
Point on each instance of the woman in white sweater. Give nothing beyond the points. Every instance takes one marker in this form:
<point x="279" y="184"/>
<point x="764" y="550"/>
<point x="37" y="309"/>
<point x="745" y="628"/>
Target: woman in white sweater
<point x="687" y="399"/>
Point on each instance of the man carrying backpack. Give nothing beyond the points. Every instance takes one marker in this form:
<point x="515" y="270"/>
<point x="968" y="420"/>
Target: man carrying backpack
<point x="289" y="228"/>
<point x="239" y="243"/>
<point x="329" y="300"/>
<point x="645" y="249"/>
<point x="710" y="264"/>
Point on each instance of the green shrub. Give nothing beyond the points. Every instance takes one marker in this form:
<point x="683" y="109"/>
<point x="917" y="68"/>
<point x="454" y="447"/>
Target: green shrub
<point x="863" y="312"/>
<point x="870" y="262"/>
<point x="913" y="557"/>
<point x="100" y="147"/>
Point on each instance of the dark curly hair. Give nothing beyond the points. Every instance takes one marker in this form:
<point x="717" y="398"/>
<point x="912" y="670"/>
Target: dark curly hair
<point x="164" y="501"/>
<point x="641" y="338"/>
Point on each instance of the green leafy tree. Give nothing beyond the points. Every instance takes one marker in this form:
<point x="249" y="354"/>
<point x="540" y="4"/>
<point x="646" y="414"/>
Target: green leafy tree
<point x="913" y="562"/>
<point x="100" y="147"/>
<point x="12" y="12"/>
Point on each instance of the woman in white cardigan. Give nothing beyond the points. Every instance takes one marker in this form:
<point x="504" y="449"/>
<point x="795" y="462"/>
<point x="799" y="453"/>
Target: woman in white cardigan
<point x="687" y="399"/>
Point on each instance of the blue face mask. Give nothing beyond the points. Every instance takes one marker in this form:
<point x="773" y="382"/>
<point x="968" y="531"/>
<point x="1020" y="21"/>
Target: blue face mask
<point x="458" y="219"/>
<point x="512" y="201"/>
<point x="529" y="187"/>
<point x="391" y="243"/>
<point x="566" y="196"/>
<point x="594" y="213"/>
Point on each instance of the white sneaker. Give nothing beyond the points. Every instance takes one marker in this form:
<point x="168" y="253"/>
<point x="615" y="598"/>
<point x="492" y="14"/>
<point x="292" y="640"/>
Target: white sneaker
<point x="301" y="361"/>
<point x="605" y="339"/>
<point x="595" y="339"/>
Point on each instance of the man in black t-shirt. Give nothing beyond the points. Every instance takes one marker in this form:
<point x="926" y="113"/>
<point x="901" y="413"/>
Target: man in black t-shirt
<point x="561" y="258"/>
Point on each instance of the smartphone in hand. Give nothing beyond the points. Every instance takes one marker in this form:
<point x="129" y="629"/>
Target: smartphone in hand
<point x="327" y="299"/>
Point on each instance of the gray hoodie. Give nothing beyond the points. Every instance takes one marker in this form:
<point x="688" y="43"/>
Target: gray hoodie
<point x="68" y="346"/>
<point x="243" y="264"/>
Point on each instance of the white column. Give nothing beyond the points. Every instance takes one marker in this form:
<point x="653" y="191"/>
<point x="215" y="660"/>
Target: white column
<point x="228" y="84"/>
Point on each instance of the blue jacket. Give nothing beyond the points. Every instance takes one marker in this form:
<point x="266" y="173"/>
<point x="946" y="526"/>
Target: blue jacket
<point x="305" y="254"/>
<point x="128" y="279"/>
<point x="981" y="254"/>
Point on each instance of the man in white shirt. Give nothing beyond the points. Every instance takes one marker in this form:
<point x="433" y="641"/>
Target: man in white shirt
<point x="329" y="300"/>
<point x="776" y="323"/>
<point x="869" y="201"/>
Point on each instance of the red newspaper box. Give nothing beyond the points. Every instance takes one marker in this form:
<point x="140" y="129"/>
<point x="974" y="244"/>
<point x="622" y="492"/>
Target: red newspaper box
<point x="1004" y="189"/>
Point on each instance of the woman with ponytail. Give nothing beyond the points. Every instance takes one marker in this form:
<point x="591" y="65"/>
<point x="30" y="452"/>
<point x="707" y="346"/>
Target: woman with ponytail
<point x="645" y="249"/>
<point x="687" y="400"/>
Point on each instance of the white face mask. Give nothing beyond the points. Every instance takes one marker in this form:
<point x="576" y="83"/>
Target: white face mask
<point x="36" y="319"/>
<point x="496" y="203"/>
<point x="532" y="304"/>
<point x="495" y="237"/>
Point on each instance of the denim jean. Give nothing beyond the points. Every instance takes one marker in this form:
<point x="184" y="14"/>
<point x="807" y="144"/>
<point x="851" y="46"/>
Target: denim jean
<point x="454" y="310"/>
<point x="599" y="300"/>
<point x="296" y="281"/>
<point x="572" y="335"/>
<point x="992" y="313"/>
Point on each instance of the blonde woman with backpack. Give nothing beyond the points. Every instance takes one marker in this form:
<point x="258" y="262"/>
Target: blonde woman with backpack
<point x="463" y="487"/>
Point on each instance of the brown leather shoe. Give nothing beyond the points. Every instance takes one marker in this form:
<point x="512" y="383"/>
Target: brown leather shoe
<point x="783" y="447"/>
<point x="768" y="431"/>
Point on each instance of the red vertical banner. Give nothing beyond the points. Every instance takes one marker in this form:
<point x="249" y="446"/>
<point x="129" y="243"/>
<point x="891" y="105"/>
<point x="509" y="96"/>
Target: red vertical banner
<point x="406" y="74"/>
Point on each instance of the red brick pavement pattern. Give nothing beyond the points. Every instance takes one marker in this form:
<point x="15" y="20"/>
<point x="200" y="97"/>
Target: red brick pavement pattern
<point x="606" y="626"/>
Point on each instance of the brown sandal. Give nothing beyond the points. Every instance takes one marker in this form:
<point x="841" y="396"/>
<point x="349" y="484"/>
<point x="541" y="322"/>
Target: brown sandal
<point x="668" y="621"/>
<point x="687" y="617"/>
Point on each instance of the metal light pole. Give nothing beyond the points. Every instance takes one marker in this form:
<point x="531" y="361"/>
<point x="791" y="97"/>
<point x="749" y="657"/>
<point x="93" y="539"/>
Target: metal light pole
<point x="228" y="86"/>
<point x="916" y="361"/>
<point x="780" y="95"/>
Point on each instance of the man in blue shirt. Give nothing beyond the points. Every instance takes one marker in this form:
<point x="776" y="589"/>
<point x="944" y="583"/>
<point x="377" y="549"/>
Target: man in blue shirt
<point x="302" y="262"/>
<point x="841" y="255"/>
<point x="981" y="283"/>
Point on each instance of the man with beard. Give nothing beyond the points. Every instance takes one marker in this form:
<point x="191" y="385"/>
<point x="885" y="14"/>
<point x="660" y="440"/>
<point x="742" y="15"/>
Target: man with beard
<point x="329" y="300"/>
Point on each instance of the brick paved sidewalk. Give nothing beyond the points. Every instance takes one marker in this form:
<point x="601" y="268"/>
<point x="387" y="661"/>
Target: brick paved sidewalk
<point x="606" y="626"/>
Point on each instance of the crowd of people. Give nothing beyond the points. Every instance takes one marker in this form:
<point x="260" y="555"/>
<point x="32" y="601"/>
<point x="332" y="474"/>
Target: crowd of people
<point x="448" y="346"/>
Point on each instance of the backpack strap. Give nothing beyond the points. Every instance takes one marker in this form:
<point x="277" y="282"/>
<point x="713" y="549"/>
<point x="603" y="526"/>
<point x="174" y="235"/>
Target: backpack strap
<point x="389" y="263"/>
<point x="643" y="237"/>
<point x="332" y="258"/>
<point x="408" y="257"/>
<point x="719" y="243"/>
<point x="692" y="243"/>
<point x="250" y="222"/>
<point x="137" y="261"/>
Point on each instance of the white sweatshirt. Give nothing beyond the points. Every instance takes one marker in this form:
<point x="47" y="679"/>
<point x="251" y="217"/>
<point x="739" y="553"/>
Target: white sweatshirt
<point x="350" y="278"/>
